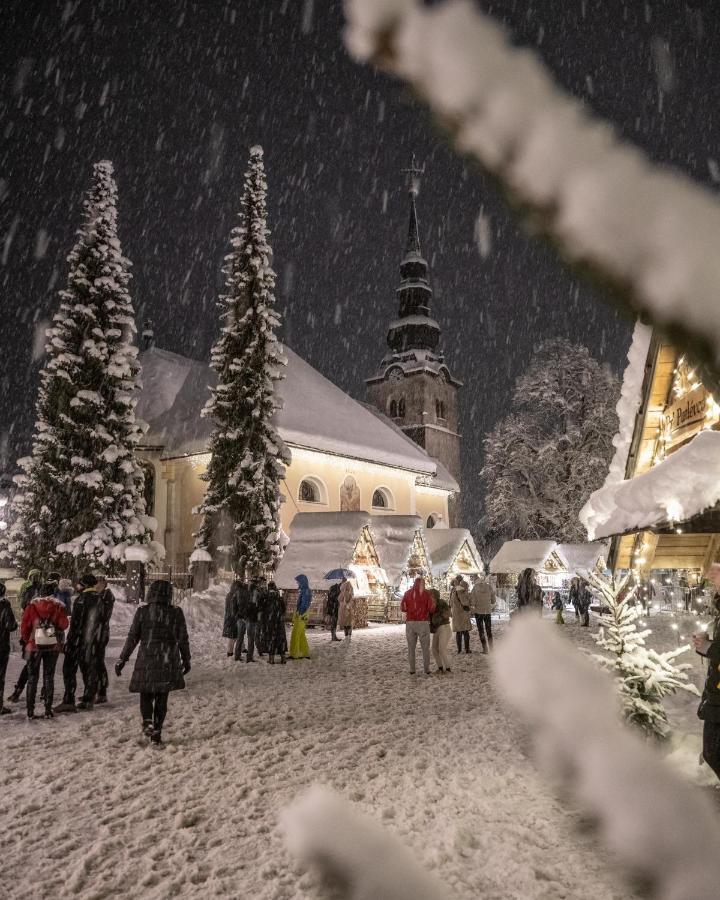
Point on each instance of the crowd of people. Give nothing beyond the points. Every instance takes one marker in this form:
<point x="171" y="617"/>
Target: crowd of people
<point x="71" y="619"/>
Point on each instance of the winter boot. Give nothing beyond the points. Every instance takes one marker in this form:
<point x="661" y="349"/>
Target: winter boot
<point x="147" y="728"/>
<point x="85" y="705"/>
<point x="282" y="659"/>
<point x="156" y="737"/>
<point x="31" y="714"/>
<point x="271" y="659"/>
<point x="65" y="707"/>
<point x="6" y="711"/>
<point x="101" y="698"/>
<point x="49" y="714"/>
<point x="14" y="697"/>
<point x="484" y="647"/>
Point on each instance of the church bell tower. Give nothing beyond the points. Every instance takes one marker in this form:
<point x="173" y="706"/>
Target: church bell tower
<point x="413" y="385"/>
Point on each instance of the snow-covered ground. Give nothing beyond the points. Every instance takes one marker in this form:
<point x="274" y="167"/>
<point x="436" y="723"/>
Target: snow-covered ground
<point x="93" y="811"/>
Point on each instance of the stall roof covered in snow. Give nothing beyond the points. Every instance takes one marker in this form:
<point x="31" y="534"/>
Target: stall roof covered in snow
<point x="681" y="486"/>
<point x="319" y="542"/>
<point x="583" y="556"/>
<point x="444" y="544"/>
<point x="394" y="537"/>
<point x="316" y="414"/>
<point x="515" y="556"/>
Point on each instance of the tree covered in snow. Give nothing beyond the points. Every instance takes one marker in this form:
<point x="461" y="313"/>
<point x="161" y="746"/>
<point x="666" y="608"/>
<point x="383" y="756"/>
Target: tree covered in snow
<point x="644" y="676"/>
<point x="241" y="508"/>
<point x="545" y="458"/>
<point x="80" y="500"/>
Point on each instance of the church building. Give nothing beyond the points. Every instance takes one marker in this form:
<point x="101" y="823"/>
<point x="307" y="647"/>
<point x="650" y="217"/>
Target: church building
<point x="397" y="456"/>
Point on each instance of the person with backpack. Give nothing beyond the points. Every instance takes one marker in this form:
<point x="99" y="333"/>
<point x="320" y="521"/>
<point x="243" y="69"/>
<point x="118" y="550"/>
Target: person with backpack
<point x="275" y="610"/>
<point x="418" y="605"/>
<point x="42" y="628"/>
<point x="163" y="659"/>
<point x="331" y="610"/>
<point x="346" y="607"/>
<point x="8" y="623"/>
<point x="83" y="647"/>
<point x="107" y="604"/>
<point x="299" y="648"/>
<point x="440" y="631"/>
<point x="482" y="600"/>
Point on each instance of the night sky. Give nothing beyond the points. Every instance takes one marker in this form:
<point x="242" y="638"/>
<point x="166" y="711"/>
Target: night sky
<point x="175" y="92"/>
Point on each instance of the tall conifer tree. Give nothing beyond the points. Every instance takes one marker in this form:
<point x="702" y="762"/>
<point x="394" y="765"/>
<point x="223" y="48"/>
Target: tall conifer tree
<point x="242" y="505"/>
<point x="81" y="498"/>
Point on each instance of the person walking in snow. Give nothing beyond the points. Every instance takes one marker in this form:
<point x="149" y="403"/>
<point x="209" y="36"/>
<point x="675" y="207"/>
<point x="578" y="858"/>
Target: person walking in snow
<point x="8" y="623"/>
<point x="584" y="601"/>
<point x="346" y="608"/>
<point x="107" y="604"/>
<point x="575" y="595"/>
<point x="83" y="646"/>
<point x="440" y="631"/>
<point x="275" y="609"/>
<point x="558" y="606"/>
<point x="331" y="610"/>
<point x="709" y="709"/>
<point x="231" y="619"/>
<point x="460" y="611"/>
<point x="418" y="605"/>
<point x="242" y="599"/>
<point x="482" y="601"/>
<point x="30" y="588"/>
<point x="299" y="648"/>
<point x="42" y="628"/>
<point x="163" y="659"/>
<point x="251" y="614"/>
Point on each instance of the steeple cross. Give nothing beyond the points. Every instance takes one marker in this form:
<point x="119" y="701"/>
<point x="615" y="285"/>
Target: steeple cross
<point x="414" y="172"/>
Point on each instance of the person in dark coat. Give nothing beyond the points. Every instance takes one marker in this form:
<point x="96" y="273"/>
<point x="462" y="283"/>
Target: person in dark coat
<point x="83" y="647"/>
<point x="242" y="598"/>
<point x="43" y="629"/>
<point x="251" y="614"/>
<point x="709" y="709"/>
<point x="275" y="612"/>
<point x="558" y="606"/>
<point x="261" y="639"/>
<point x="163" y="658"/>
<point x="107" y="604"/>
<point x="575" y="595"/>
<point x="332" y="607"/>
<point x="8" y="623"/>
<point x="584" y="601"/>
<point x="230" y="620"/>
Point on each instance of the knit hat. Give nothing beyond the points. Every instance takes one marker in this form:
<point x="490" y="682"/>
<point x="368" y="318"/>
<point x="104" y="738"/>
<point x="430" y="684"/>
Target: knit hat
<point x="87" y="580"/>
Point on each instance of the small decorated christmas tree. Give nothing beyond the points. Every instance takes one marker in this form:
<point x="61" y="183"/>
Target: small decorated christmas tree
<point x="241" y="508"/>
<point x="643" y="675"/>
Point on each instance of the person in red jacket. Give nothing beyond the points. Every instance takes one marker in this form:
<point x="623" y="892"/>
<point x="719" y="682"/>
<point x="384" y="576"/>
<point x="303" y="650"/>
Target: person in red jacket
<point x="418" y="605"/>
<point x="43" y="624"/>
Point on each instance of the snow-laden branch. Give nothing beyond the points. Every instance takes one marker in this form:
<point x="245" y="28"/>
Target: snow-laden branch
<point x="661" y="827"/>
<point x="323" y="829"/>
<point x="649" y="233"/>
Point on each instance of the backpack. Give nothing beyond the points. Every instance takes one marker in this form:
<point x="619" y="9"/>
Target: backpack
<point x="45" y="635"/>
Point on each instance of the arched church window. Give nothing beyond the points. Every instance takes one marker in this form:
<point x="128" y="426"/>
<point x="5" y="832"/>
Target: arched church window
<point x="439" y="409"/>
<point x="393" y="409"/>
<point x="311" y="491"/>
<point x="401" y="408"/>
<point x="433" y="520"/>
<point x="382" y="499"/>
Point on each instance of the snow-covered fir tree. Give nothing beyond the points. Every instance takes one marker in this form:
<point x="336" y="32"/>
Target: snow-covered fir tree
<point x="80" y="501"/>
<point x="545" y="458"/>
<point x="241" y="508"/>
<point x="644" y="676"/>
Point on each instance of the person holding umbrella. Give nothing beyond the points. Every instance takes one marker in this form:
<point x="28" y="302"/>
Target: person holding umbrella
<point x="332" y="604"/>
<point x="299" y="648"/>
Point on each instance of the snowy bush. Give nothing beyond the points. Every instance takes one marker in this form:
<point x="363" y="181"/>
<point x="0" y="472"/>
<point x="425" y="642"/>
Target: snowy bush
<point x="644" y="676"/>
<point x="547" y="456"/>
<point x="248" y="456"/>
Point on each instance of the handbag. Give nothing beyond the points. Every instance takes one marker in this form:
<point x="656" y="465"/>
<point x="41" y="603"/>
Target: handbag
<point x="45" y="635"/>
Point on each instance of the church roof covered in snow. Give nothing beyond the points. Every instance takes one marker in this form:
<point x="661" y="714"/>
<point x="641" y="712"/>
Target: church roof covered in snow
<point x="444" y="544"/>
<point x="316" y="414"/>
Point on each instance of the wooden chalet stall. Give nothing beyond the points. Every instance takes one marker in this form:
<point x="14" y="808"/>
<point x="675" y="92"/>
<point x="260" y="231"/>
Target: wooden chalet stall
<point x="660" y="504"/>
<point x="323" y="541"/>
<point x="452" y="552"/>
<point x="403" y="554"/>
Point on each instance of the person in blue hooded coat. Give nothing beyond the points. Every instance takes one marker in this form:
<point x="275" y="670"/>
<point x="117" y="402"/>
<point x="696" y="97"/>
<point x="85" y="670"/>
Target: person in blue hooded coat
<point x="299" y="648"/>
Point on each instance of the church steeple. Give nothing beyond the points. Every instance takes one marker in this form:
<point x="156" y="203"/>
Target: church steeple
<point x="414" y="328"/>
<point x="413" y="385"/>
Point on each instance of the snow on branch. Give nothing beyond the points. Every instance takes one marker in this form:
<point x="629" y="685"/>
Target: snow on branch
<point x="322" y="828"/>
<point x="662" y="828"/>
<point x="647" y="232"/>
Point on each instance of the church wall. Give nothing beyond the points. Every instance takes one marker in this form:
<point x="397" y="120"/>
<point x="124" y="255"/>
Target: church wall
<point x="179" y="489"/>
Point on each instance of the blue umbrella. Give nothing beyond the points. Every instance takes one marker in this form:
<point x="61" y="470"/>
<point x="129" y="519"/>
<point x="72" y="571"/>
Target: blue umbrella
<point x="337" y="574"/>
